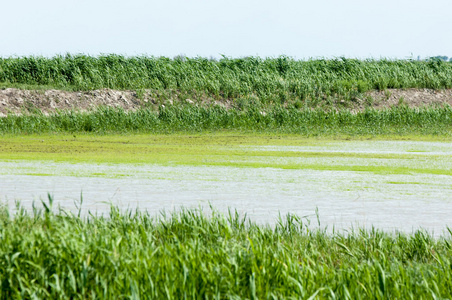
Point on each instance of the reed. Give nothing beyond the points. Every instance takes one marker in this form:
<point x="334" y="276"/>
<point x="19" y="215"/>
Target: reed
<point x="270" y="80"/>
<point x="195" y="254"/>
<point x="188" y="118"/>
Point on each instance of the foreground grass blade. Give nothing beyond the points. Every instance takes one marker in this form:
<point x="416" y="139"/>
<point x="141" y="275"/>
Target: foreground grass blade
<point x="192" y="254"/>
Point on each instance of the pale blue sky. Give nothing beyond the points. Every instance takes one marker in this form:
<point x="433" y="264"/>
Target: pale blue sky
<point x="300" y="29"/>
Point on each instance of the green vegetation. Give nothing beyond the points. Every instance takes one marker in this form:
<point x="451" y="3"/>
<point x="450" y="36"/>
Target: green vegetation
<point x="274" y="94"/>
<point x="187" y="118"/>
<point x="231" y="149"/>
<point x="248" y="81"/>
<point x="190" y="254"/>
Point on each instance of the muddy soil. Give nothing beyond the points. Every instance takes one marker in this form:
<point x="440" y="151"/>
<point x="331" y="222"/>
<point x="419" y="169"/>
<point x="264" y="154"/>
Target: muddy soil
<point x="17" y="101"/>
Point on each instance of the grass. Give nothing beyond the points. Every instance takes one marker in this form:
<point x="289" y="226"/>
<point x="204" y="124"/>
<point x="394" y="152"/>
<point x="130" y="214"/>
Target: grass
<point x="249" y="81"/>
<point x="400" y="120"/>
<point x="193" y="254"/>
<point x="265" y="95"/>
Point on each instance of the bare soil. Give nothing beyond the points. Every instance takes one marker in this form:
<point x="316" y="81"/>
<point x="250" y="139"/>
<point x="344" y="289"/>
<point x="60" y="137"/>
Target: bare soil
<point x="17" y="101"/>
<point x="410" y="97"/>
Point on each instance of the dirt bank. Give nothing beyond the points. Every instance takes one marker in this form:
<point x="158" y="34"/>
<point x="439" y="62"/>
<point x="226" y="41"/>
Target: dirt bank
<point x="16" y="101"/>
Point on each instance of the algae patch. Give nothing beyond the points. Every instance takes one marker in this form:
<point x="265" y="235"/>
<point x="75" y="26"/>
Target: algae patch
<point x="235" y="150"/>
<point x="373" y="182"/>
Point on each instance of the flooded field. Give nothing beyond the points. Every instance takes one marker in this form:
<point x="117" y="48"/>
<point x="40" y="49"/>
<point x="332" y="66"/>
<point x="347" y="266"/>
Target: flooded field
<point x="393" y="185"/>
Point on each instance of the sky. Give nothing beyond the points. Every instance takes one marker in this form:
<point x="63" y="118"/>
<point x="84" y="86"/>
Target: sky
<point x="395" y="29"/>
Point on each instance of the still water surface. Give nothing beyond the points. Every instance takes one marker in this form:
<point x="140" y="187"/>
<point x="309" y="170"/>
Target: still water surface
<point x="344" y="198"/>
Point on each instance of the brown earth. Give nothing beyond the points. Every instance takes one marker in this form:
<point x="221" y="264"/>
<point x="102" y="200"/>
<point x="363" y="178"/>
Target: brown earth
<point x="17" y="101"/>
<point x="410" y="97"/>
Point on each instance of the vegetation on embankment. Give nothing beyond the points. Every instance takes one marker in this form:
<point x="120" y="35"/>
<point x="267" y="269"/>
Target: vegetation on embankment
<point x="247" y="81"/>
<point x="193" y="255"/>
<point x="198" y="94"/>
<point x="278" y="119"/>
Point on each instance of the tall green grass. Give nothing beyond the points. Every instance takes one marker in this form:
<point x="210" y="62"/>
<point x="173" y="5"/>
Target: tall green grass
<point x="269" y="80"/>
<point x="195" y="255"/>
<point x="397" y="120"/>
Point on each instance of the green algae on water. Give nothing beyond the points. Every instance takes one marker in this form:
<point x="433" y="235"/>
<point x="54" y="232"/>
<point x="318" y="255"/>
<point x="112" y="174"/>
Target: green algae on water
<point x="236" y="150"/>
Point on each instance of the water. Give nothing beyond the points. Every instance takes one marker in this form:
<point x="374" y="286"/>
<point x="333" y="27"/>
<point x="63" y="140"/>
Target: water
<point x="344" y="199"/>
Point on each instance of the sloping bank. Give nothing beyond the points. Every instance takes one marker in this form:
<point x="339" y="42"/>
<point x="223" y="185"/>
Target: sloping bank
<point x="336" y="96"/>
